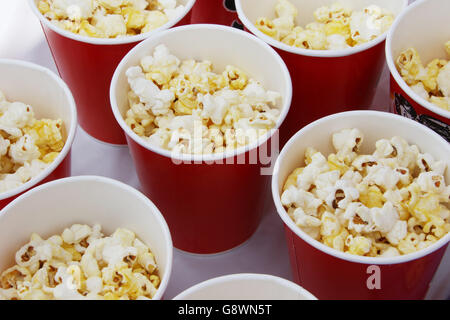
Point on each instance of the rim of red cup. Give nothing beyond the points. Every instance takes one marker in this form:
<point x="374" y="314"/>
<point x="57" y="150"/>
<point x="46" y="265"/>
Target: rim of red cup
<point x="322" y="247"/>
<point x="159" y="38"/>
<point x="70" y="133"/>
<point x="307" y="52"/>
<point x="217" y="282"/>
<point x="109" y="41"/>
<point x="137" y="194"/>
<point x="393" y="69"/>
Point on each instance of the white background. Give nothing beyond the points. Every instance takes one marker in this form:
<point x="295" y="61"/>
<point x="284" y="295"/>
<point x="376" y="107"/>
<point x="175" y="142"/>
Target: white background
<point x="21" y="38"/>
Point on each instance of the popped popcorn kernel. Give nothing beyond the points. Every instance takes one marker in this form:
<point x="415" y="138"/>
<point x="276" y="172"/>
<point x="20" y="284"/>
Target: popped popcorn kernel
<point x="82" y="264"/>
<point x="27" y="145"/>
<point x="185" y="107"/>
<point x="109" y="18"/>
<point x="388" y="203"/>
<point x="432" y="82"/>
<point x="335" y="27"/>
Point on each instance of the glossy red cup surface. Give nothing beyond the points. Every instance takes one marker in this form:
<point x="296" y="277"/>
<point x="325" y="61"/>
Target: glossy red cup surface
<point x="324" y="81"/>
<point x="216" y="12"/>
<point x="331" y="274"/>
<point x="50" y="98"/>
<point x="210" y="207"/>
<point x="87" y="65"/>
<point x="412" y="30"/>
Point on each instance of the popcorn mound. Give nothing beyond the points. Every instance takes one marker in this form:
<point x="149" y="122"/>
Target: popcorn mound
<point x="389" y="203"/>
<point x="110" y="18"/>
<point x="185" y="107"/>
<point x="82" y="263"/>
<point x="27" y="145"/>
<point x="336" y="27"/>
<point x="431" y="82"/>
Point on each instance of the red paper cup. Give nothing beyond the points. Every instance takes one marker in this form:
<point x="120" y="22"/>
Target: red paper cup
<point x="48" y="209"/>
<point x="50" y="98"/>
<point x="423" y="26"/>
<point x="87" y="65"/>
<point x="210" y="207"/>
<point x="246" y="286"/>
<point x="331" y="274"/>
<point x="324" y="81"/>
<point x="217" y="12"/>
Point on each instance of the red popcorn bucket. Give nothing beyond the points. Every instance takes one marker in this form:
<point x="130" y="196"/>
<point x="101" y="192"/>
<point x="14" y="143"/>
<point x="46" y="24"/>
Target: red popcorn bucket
<point x="331" y="274"/>
<point x="246" y="286"/>
<point x="412" y="30"/>
<point x="216" y="12"/>
<point x="87" y="65"/>
<point x="50" y="98"/>
<point x="324" y="81"/>
<point x="50" y="208"/>
<point x="212" y="203"/>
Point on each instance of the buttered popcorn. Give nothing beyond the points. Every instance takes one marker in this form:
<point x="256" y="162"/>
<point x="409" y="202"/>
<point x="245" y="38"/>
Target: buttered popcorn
<point x="431" y="82"/>
<point x="336" y="27"/>
<point x="82" y="263"/>
<point x="388" y="203"/>
<point x="27" y="145"/>
<point x="185" y="107"/>
<point x="110" y="18"/>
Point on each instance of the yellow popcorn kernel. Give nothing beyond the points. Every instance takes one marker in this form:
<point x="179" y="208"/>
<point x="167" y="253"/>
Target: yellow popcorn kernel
<point x="236" y="78"/>
<point x="154" y="20"/>
<point x="441" y="102"/>
<point x="89" y="30"/>
<point x="426" y="206"/>
<point x="410" y="66"/>
<point x="43" y="6"/>
<point x="233" y="115"/>
<point x="336" y="242"/>
<point x="48" y="135"/>
<point x="184" y="106"/>
<point x="155" y="280"/>
<point x="309" y="152"/>
<point x="134" y="19"/>
<point x="292" y="178"/>
<point x="76" y="256"/>
<point x="373" y="198"/>
<point x="13" y="276"/>
<point x="110" y="5"/>
<point x="335" y="164"/>
<point x="290" y="38"/>
<point x="337" y="27"/>
<point x="284" y="8"/>
<point x="267" y="27"/>
<point x="409" y="243"/>
<point x="447" y="47"/>
<point x="433" y="69"/>
<point x="136" y="127"/>
<point x="359" y="246"/>
<point x="50" y="157"/>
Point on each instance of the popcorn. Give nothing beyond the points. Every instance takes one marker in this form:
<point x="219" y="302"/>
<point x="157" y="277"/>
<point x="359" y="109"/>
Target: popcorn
<point x="336" y="27"/>
<point x="109" y="18"/>
<point x="388" y="203"/>
<point x="27" y="145"/>
<point x="116" y="267"/>
<point x="432" y="82"/>
<point x="185" y="107"/>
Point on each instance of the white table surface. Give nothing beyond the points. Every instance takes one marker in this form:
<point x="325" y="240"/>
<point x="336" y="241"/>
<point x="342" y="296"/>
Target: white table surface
<point x="21" y="38"/>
